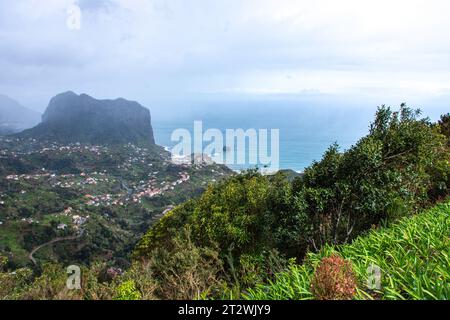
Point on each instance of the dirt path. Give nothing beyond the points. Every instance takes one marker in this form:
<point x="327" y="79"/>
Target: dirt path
<point x="59" y="239"/>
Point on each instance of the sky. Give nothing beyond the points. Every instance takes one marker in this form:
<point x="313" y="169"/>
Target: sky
<point x="156" y="50"/>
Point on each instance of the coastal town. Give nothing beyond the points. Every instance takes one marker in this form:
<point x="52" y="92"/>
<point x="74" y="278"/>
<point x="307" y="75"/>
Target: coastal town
<point x="63" y="189"/>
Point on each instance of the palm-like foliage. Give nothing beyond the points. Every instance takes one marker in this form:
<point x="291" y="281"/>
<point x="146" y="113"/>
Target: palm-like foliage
<point x="413" y="256"/>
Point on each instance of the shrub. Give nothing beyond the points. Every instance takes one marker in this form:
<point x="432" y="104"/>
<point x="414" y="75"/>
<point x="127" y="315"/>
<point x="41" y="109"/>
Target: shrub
<point x="12" y="284"/>
<point x="250" y="270"/>
<point x="3" y="263"/>
<point x="444" y="126"/>
<point x="334" y="280"/>
<point x="400" y="167"/>
<point x="127" y="291"/>
<point x="248" y="212"/>
<point x="180" y="270"/>
<point x="388" y="174"/>
<point x="412" y="256"/>
<point x="50" y="285"/>
<point x="93" y="288"/>
<point x="164" y="230"/>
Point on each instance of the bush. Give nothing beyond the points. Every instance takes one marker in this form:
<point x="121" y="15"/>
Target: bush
<point x="12" y="284"/>
<point x="181" y="270"/>
<point x="412" y="256"/>
<point x="3" y="263"/>
<point x="127" y="291"/>
<point x="388" y="174"/>
<point x="400" y="167"/>
<point x="248" y="212"/>
<point x="50" y="285"/>
<point x="444" y="126"/>
<point x="334" y="280"/>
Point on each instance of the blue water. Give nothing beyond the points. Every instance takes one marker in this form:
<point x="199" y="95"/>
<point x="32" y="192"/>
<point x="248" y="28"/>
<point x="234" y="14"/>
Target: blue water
<point x="306" y="129"/>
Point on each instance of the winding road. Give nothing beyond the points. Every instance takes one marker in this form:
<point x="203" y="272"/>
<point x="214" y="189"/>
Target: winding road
<point x="59" y="239"/>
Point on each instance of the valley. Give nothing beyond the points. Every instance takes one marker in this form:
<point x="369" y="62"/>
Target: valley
<point x="114" y="193"/>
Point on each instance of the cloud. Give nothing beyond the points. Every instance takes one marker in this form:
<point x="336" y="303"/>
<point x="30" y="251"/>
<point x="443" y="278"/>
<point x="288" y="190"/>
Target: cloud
<point x="95" y="5"/>
<point x="167" y="47"/>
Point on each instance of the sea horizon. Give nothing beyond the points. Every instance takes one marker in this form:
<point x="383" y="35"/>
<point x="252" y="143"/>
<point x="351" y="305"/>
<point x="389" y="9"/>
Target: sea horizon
<point x="306" y="130"/>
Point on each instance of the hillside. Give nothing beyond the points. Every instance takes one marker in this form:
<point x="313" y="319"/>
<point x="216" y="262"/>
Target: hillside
<point x="246" y="236"/>
<point x="115" y="193"/>
<point x="14" y="117"/>
<point x="413" y="256"/>
<point x="71" y="118"/>
<point x="91" y="173"/>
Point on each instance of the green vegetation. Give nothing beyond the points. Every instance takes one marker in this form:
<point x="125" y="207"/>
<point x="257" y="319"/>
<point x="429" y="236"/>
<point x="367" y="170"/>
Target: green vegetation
<point x="282" y="237"/>
<point x="118" y="191"/>
<point x="127" y="291"/>
<point x="236" y="214"/>
<point x="413" y="256"/>
<point x="398" y="169"/>
<point x="444" y="126"/>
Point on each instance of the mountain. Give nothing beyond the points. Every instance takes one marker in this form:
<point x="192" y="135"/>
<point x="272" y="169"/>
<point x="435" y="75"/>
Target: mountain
<point x="71" y="118"/>
<point x="14" y="117"/>
<point x="291" y="174"/>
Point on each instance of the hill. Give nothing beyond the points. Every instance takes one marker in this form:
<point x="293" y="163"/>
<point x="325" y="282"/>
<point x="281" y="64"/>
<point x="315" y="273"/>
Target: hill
<point x="115" y="193"/>
<point x="72" y="118"/>
<point x="14" y="117"/>
<point x="249" y="235"/>
<point x="412" y="255"/>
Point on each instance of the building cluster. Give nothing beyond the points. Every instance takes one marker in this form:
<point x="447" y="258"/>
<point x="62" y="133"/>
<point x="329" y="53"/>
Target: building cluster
<point x="32" y="146"/>
<point x="104" y="200"/>
<point x="29" y="220"/>
<point x="150" y="189"/>
<point x="77" y="220"/>
<point x="93" y="186"/>
<point x="145" y="189"/>
<point x="16" y="177"/>
<point x="65" y="180"/>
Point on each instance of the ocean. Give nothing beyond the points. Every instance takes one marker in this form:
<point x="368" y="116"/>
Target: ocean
<point x="306" y="129"/>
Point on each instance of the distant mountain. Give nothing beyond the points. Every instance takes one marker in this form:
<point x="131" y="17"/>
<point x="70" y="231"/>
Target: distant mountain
<point x="291" y="174"/>
<point x="73" y="118"/>
<point x="14" y="117"/>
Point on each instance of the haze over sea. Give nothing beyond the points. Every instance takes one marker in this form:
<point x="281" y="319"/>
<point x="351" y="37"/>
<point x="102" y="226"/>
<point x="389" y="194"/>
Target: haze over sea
<point x="307" y="128"/>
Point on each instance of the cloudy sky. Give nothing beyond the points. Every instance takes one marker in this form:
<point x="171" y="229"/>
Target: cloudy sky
<point x="169" y="49"/>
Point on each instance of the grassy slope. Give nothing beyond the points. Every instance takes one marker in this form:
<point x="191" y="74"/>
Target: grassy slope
<point x="413" y="256"/>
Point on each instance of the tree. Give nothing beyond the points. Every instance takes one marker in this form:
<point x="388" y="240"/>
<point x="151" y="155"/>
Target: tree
<point x="444" y="125"/>
<point x="387" y="174"/>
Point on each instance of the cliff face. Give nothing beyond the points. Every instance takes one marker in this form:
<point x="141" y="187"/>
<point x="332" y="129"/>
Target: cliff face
<point x="80" y="118"/>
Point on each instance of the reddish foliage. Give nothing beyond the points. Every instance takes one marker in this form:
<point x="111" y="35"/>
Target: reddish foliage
<point x="334" y="279"/>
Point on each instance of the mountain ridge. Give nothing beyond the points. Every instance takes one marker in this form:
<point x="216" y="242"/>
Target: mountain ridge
<point x="14" y="117"/>
<point x="81" y="118"/>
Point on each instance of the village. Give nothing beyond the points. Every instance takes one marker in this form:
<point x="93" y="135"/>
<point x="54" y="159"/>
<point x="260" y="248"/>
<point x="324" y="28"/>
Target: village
<point x="92" y="184"/>
<point x="20" y="147"/>
<point x="96" y="188"/>
<point x="149" y="189"/>
<point x="107" y="194"/>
